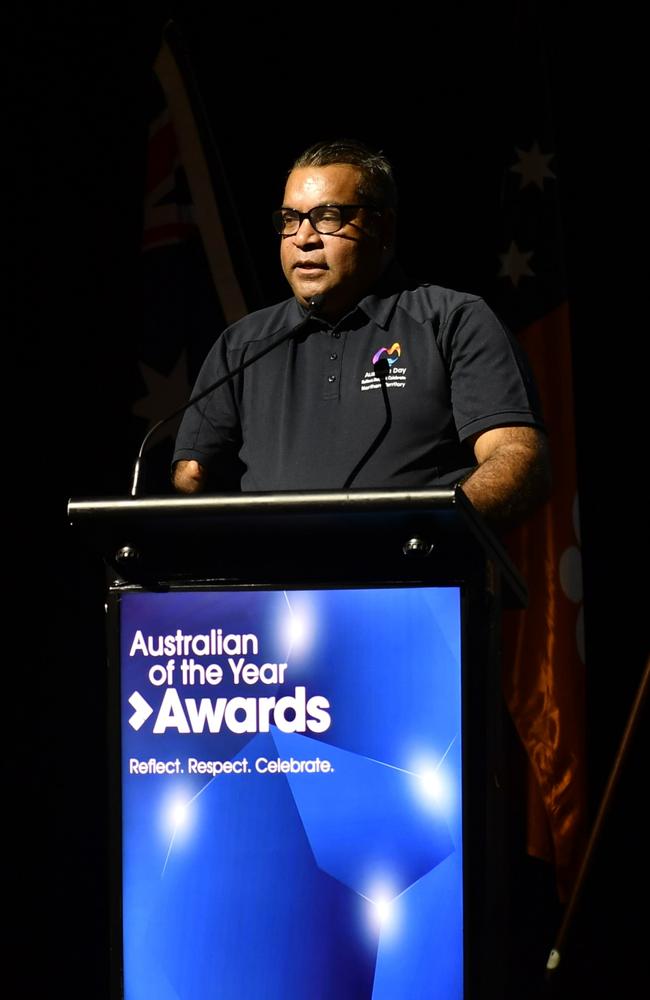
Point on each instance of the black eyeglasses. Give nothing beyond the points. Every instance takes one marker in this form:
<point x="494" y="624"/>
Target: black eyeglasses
<point x="325" y="219"/>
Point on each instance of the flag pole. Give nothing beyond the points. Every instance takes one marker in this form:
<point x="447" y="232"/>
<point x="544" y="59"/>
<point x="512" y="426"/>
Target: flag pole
<point x="556" y="952"/>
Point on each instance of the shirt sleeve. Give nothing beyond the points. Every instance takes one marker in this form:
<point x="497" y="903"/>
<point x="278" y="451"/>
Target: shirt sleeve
<point x="491" y="381"/>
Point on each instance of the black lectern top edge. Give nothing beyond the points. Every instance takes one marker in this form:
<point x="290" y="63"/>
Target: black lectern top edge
<point x="314" y="500"/>
<point x="124" y="514"/>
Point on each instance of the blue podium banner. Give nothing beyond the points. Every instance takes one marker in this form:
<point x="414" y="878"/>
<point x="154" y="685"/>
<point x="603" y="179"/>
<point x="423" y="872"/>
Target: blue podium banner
<point x="292" y="794"/>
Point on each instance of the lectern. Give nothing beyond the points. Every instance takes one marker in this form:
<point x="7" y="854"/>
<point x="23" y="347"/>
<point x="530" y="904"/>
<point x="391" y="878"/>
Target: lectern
<point x="306" y="715"/>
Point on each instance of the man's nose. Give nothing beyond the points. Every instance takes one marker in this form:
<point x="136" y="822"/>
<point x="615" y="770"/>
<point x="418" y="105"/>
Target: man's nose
<point x="306" y="234"/>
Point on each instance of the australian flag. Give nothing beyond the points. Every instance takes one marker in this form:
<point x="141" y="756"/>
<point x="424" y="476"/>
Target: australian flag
<point x="197" y="274"/>
<point x="544" y="646"/>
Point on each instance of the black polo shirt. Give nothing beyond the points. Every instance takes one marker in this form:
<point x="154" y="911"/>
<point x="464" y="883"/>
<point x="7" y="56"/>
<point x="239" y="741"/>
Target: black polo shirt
<point x="386" y="397"/>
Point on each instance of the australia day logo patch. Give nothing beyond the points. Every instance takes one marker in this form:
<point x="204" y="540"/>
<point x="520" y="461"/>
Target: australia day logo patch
<point x="387" y="367"/>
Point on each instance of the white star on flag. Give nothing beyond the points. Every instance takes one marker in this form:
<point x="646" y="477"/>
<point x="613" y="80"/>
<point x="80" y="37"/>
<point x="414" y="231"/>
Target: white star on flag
<point x="165" y="393"/>
<point x="533" y="166"/>
<point x="514" y="264"/>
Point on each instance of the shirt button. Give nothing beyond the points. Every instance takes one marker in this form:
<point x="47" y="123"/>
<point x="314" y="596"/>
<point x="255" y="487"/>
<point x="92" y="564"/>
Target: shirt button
<point x="331" y="378"/>
<point x="335" y="333"/>
<point x="333" y="357"/>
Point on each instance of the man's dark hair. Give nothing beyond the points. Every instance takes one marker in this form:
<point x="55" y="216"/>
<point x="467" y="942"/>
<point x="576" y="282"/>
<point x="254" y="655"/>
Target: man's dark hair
<point x="377" y="183"/>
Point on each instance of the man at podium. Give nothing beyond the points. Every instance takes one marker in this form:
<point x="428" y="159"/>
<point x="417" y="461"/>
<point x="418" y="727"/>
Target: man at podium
<point x="386" y="383"/>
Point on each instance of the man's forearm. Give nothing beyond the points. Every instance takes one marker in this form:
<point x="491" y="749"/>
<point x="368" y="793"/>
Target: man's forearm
<point x="512" y="479"/>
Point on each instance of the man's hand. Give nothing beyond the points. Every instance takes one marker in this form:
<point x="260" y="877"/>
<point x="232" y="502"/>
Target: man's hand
<point x="513" y="475"/>
<point x="189" y="477"/>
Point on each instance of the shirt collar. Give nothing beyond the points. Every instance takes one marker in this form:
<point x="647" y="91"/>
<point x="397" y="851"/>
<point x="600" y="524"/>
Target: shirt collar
<point x="380" y="303"/>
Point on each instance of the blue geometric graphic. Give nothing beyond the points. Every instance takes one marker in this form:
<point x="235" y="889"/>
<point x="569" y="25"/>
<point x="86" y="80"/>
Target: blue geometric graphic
<point x="241" y="909"/>
<point x="364" y="820"/>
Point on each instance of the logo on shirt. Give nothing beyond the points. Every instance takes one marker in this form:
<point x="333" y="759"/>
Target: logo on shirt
<point x="385" y="369"/>
<point x="391" y="354"/>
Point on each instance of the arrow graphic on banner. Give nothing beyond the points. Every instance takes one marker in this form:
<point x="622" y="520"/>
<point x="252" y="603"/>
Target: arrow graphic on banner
<point x="142" y="710"/>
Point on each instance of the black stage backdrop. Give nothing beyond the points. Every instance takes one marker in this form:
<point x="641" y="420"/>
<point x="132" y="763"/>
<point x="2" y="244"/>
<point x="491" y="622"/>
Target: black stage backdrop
<point x="435" y="92"/>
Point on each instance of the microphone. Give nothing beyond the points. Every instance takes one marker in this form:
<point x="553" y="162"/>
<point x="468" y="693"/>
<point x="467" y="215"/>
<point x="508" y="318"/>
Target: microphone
<point x="315" y="304"/>
<point x="381" y="369"/>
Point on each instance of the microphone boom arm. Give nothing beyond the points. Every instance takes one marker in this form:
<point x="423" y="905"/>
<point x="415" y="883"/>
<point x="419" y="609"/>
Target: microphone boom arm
<point x="314" y="304"/>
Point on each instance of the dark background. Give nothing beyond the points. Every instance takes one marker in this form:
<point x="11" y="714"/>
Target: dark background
<point x="435" y="93"/>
